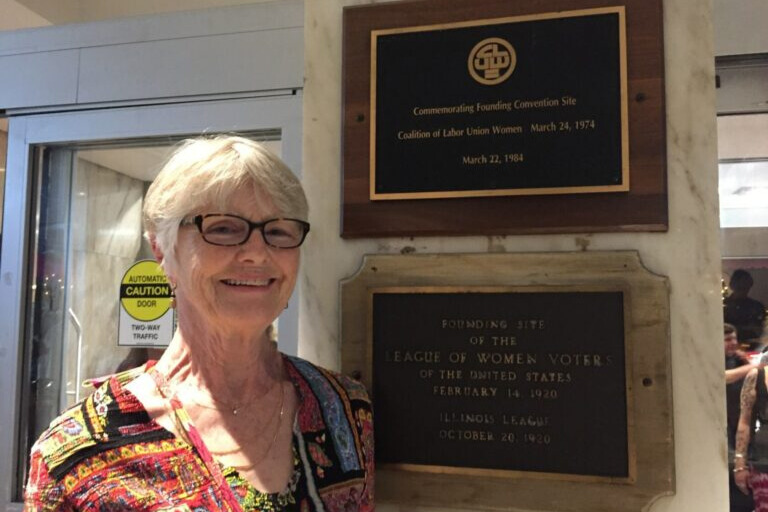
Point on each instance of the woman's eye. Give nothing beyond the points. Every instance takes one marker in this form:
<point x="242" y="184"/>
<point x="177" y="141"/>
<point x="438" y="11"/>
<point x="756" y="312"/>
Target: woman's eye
<point x="277" y="232"/>
<point x="223" y="228"/>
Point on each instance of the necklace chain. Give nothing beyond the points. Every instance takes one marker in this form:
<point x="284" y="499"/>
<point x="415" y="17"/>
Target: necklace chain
<point x="235" y="409"/>
<point x="254" y="463"/>
<point x="165" y="389"/>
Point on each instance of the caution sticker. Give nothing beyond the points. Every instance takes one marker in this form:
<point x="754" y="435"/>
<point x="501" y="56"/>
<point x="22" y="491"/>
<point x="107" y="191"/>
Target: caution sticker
<point x="146" y="317"/>
<point x="145" y="292"/>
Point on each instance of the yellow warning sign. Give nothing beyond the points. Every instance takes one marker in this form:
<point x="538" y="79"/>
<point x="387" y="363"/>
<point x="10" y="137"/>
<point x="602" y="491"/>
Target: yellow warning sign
<point x="145" y="293"/>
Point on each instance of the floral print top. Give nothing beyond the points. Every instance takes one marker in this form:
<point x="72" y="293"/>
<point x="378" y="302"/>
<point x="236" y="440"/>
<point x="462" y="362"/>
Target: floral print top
<point x="253" y="500"/>
<point x="107" y="454"/>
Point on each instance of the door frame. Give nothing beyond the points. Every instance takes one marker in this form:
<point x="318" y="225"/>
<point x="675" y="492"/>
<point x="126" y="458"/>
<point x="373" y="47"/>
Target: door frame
<point x="26" y="132"/>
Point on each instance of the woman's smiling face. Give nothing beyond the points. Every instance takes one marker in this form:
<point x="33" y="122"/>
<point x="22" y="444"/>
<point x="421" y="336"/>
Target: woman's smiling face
<point x="245" y="285"/>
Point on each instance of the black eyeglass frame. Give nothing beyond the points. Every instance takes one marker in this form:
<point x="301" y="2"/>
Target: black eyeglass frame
<point x="197" y="220"/>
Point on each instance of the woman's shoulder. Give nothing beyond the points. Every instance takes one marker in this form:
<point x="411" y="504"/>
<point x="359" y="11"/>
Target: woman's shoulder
<point x="336" y="423"/>
<point x="323" y="381"/>
<point x="103" y="418"/>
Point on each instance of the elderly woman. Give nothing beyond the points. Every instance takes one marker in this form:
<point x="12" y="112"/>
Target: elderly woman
<point x="223" y="420"/>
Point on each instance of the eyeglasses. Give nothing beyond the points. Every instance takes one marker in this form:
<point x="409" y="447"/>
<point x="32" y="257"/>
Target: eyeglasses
<point x="227" y="229"/>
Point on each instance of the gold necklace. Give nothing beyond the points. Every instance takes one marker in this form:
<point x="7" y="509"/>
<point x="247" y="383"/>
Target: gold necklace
<point x="234" y="409"/>
<point x="269" y="447"/>
<point x="165" y="390"/>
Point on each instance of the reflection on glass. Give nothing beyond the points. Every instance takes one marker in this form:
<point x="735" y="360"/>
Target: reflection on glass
<point x="743" y="188"/>
<point x="3" y="158"/>
<point x="88" y="232"/>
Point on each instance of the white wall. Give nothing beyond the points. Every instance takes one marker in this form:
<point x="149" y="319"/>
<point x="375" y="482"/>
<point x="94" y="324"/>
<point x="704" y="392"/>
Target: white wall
<point x="689" y="253"/>
<point x="745" y="242"/>
<point x="740" y="26"/>
<point x="743" y="136"/>
<point x="79" y="11"/>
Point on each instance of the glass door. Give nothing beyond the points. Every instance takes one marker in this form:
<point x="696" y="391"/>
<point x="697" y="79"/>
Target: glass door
<point x="81" y="229"/>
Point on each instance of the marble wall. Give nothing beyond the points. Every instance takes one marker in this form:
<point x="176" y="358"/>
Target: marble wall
<point x="105" y="239"/>
<point x="689" y="253"/>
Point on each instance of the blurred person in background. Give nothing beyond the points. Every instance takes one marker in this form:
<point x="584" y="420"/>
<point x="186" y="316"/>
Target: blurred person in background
<point x="737" y="366"/>
<point x="744" y="312"/>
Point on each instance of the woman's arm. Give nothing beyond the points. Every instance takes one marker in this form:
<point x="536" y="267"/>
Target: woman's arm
<point x="736" y="374"/>
<point x="744" y="431"/>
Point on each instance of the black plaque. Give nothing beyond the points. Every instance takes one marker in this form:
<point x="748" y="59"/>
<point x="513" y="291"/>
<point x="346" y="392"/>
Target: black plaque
<point x="501" y="380"/>
<point x="508" y="106"/>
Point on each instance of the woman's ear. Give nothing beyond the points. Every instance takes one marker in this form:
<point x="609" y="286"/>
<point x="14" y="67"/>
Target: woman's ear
<point x="156" y="248"/>
<point x="160" y="257"/>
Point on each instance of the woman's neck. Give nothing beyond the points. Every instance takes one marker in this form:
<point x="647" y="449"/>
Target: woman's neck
<point x="230" y="367"/>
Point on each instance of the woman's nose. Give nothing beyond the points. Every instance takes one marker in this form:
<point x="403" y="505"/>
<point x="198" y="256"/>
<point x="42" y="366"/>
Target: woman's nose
<point x="255" y="247"/>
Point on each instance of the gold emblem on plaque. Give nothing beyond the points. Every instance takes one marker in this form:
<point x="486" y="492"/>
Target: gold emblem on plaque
<point x="491" y="61"/>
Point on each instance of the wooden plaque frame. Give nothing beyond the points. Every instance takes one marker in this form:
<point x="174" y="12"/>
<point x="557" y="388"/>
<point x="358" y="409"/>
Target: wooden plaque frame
<point x="642" y="208"/>
<point x="648" y="373"/>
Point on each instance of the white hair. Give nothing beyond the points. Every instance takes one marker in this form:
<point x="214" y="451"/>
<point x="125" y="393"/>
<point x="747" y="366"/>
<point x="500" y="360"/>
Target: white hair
<point x="206" y="172"/>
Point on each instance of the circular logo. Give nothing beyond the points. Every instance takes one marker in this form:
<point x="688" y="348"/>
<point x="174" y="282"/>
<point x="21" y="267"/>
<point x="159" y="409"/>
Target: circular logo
<point x="491" y="61"/>
<point x="145" y="293"/>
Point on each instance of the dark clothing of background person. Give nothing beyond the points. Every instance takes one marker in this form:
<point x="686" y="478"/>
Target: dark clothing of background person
<point x="747" y="315"/>
<point x="742" y="312"/>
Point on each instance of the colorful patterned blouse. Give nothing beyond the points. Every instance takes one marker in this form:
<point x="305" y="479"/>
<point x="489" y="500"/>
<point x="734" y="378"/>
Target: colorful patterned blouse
<point x="106" y="454"/>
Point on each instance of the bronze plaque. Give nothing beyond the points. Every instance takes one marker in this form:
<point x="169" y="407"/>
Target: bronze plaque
<point x="507" y="106"/>
<point x="501" y="379"/>
<point x="496" y="118"/>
